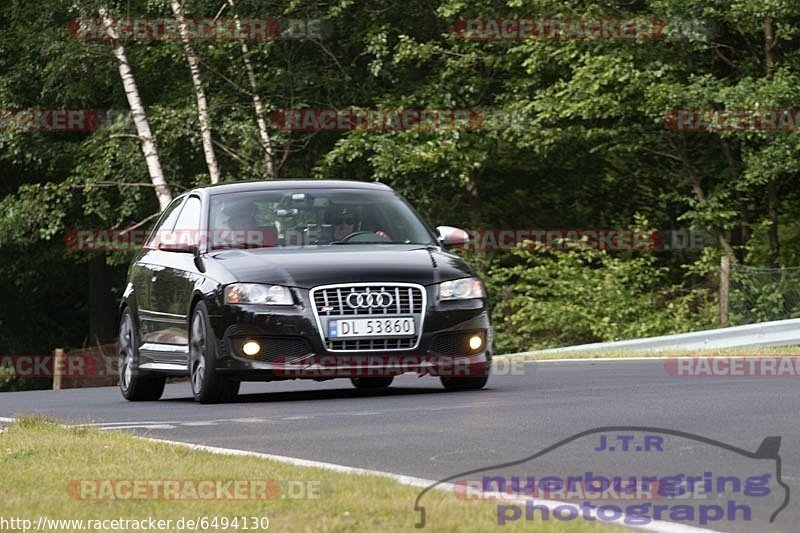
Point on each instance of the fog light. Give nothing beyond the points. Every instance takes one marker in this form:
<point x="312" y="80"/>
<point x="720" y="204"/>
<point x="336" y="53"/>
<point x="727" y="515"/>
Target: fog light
<point x="475" y="342"/>
<point x="251" y="348"/>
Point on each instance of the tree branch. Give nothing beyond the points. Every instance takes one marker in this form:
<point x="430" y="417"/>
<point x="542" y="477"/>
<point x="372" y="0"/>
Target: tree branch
<point x="140" y="223"/>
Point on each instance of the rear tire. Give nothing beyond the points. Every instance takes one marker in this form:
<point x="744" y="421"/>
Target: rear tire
<point x="372" y="383"/>
<point x="207" y="385"/>
<point x="134" y="385"/>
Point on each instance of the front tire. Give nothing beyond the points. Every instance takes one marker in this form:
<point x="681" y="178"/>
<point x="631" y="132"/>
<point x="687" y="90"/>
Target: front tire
<point x="135" y="386"/>
<point x="474" y="382"/>
<point x="207" y="385"/>
<point x="372" y="383"/>
<point x="464" y="384"/>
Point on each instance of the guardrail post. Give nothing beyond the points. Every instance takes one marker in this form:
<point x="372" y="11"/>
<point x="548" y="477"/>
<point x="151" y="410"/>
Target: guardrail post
<point x="58" y="365"/>
<point x="724" y="289"/>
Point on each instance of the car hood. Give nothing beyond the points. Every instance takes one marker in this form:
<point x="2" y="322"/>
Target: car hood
<point x="322" y="265"/>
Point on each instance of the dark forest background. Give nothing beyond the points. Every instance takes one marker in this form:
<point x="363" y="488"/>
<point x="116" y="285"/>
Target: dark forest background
<point x="587" y="148"/>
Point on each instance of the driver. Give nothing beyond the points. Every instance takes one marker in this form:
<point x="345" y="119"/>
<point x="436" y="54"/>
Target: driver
<point x="343" y="222"/>
<point x="241" y="217"/>
<point x="347" y="221"/>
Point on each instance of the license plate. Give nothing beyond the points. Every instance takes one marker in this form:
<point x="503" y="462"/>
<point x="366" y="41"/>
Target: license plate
<point x="371" y="327"/>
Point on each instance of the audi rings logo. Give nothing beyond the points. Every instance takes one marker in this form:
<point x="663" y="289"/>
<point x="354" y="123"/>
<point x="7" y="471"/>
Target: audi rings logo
<point x="369" y="300"/>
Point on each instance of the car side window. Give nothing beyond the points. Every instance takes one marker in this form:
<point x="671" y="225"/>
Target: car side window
<point x="165" y="223"/>
<point x="187" y="228"/>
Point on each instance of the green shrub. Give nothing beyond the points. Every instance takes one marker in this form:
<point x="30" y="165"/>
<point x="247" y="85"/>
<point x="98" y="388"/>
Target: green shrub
<point x="556" y="298"/>
<point x="764" y="294"/>
<point x="8" y="379"/>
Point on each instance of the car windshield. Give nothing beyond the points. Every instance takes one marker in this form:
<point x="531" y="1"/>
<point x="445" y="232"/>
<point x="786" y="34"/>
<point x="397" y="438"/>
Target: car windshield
<point x="288" y="218"/>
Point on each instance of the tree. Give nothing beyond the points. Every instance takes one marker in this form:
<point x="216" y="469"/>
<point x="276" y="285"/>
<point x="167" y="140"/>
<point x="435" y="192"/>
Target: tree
<point x="161" y="188"/>
<point x="202" y="105"/>
<point x="258" y="108"/>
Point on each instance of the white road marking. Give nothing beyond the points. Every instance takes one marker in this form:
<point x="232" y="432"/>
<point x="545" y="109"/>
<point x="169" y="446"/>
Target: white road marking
<point x="124" y="422"/>
<point x="211" y="422"/>
<point x="141" y="426"/>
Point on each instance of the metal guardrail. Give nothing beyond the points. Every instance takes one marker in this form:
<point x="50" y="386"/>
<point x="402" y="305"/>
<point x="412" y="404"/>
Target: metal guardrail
<point x="764" y="334"/>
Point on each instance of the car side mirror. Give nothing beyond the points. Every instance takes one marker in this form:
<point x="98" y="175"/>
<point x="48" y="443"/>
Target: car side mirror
<point x="181" y="247"/>
<point x="451" y="237"/>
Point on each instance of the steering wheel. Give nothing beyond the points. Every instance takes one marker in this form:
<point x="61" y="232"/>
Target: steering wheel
<point x="357" y="236"/>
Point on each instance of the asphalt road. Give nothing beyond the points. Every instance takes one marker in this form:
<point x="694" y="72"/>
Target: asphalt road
<point x="417" y="429"/>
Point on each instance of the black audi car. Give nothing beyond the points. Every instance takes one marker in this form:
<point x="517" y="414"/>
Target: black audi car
<point x="262" y="281"/>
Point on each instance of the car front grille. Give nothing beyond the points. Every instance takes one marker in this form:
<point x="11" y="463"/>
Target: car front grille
<point x="336" y="301"/>
<point x="332" y="301"/>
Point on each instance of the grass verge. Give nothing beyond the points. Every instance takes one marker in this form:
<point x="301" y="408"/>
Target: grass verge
<point x="42" y="463"/>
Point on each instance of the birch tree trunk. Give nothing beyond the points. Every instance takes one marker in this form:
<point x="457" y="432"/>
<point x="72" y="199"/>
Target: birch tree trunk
<point x="162" y="190"/>
<point x="266" y="142"/>
<point x="202" y="104"/>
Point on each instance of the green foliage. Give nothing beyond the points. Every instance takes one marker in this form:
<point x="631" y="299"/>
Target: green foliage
<point x="763" y="294"/>
<point x="580" y="141"/>
<point x="8" y="379"/>
<point x="549" y="298"/>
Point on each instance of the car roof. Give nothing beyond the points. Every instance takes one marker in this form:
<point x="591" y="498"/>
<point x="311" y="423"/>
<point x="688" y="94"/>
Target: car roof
<point x="266" y="185"/>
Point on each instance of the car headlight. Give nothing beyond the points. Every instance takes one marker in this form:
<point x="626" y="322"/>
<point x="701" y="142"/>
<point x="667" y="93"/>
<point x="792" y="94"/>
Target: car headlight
<point x="254" y="293"/>
<point x="461" y="289"/>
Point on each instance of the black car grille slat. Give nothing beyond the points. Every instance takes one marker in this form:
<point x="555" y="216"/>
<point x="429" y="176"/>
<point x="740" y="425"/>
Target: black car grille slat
<point x="331" y="302"/>
<point x="276" y="347"/>
<point x="371" y="345"/>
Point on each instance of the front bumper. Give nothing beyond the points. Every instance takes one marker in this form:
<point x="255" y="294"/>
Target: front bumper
<point x="292" y="347"/>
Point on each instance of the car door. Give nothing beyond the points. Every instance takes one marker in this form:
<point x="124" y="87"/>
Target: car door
<point x="144" y="268"/>
<point x="173" y="279"/>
